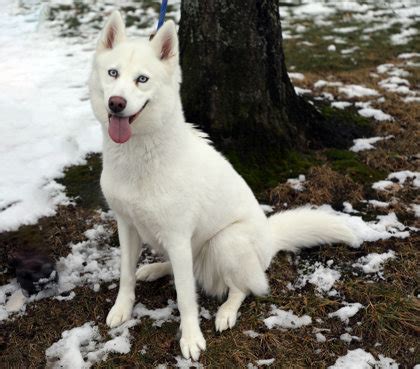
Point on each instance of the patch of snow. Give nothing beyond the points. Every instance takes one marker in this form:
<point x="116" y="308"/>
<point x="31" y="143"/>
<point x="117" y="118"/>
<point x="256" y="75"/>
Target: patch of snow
<point x="373" y="263"/>
<point x="416" y="209"/>
<point x="16" y="302"/>
<point x="347" y="338"/>
<point x="159" y="316"/>
<point x="313" y="9"/>
<point x="357" y="91"/>
<point x="265" y="362"/>
<point x="332" y="47"/>
<point x="204" y="313"/>
<point x="346" y="312"/>
<point x="297" y="76"/>
<point x="323" y="278"/>
<point x="360" y="359"/>
<point x="321" y="83"/>
<point x="411" y="99"/>
<point x="378" y="204"/>
<point x="404" y="36"/>
<point x="341" y="104"/>
<point x="70" y="350"/>
<point x="302" y="91"/>
<point x="409" y="55"/>
<point x="297" y="183"/>
<point x="351" y="6"/>
<point x="400" y="178"/>
<point x="285" y="319"/>
<point x="350" y="50"/>
<point x="348" y="208"/>
<point x="361" y="144"/>
<point x="320" y="337"/>
<point x="346" y="29"/>
<point x="266" y="208"/>
<point x="251" y="334"/>
<point x="374" y="113"/>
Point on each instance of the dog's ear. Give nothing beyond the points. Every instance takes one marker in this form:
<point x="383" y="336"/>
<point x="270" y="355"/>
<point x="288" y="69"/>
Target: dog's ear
<point x="113" y="32"/>
<point x="165" y="43"/>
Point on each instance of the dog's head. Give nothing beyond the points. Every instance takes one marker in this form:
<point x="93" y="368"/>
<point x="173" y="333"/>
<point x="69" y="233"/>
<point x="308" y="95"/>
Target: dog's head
<point x="132" y="80"/>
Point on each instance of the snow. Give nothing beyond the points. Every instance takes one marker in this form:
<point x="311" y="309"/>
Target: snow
<point x="360" y="359"/>
<point x="297" y="183"/>
<point x="302" y="91"/>
<point x="400" y="178"/>
<point x="16" y="302"/>
<point x="348" y="208"/>
<point x="285" y="319"/>
<point x="373" y="263"/>
<point x="323" y="278"/>
<point x="83" y="346"/>
<point x="321" y="83"/>
<point x="320" y="337"/>
<point x="346" y="312"/>
<point x="313" y="9"/>
<point x="251" y="334"/>
<point x="384" y="227"/>
<point x="69" y="351"/>
<point x="49" y="124"/>
<point x="204" y="313"/>
<point x="350" y="50"/>
<point x="347" y="338"/>
<point x="332" y="47"/>
<point x="357" y="91"/>
<point x="416" y="210"/>
<point x="89" y="262"/>
<point x="159" y="316"/>
<point x="265" y="362"/>
<point x="346" y="29"/>
<point x="409" y="55"/>
<point x="404" y="37"/>
<point x="297" y="76"/>
<point x="361" y="144"/>
<point x="378" y="204"/>
<point x="266" y="208"/>
<point x="341" y="104"/>
<point x="351" y="6"/>
<point x="374" y="113"/>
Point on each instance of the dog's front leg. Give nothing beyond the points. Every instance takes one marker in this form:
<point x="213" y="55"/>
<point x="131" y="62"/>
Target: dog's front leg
<point x="130" y="249"/>
<point x="180" y="256"/>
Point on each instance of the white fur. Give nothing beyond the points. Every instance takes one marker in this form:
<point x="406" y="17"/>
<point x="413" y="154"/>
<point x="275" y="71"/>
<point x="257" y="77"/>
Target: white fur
<point x="172" y="190"/>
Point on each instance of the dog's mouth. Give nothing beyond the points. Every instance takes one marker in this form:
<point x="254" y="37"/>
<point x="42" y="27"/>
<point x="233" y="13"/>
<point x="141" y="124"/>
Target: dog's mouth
<point x="119" y="127"/>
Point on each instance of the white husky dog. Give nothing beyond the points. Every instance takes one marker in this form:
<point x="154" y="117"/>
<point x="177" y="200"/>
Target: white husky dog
<point x="170" y="189"/>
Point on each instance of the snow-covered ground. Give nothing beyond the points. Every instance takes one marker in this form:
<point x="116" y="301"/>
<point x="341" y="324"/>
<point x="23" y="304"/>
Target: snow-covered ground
<point x="46" y="123"/>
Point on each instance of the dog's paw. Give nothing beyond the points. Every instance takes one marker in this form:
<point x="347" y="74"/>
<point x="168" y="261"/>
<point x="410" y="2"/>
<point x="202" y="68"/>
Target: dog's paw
<point x="151" y="272"/>
<point x="119" y="314"/>
<point x="192" y="343"/>
<point x="225" y="318"/>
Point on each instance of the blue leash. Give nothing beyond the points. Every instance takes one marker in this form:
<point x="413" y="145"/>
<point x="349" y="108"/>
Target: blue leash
<point x="162" y="13"/>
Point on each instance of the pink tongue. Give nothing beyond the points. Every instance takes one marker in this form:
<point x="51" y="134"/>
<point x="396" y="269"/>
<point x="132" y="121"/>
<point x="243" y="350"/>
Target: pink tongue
<point x="119" y="129"/>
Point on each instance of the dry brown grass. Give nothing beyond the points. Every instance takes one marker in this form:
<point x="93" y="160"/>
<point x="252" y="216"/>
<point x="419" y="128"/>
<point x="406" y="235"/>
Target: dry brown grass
<point x="322" y="186"/>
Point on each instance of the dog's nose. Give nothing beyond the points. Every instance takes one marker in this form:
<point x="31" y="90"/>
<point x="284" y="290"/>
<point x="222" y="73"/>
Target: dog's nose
<point x="117" y="104"/>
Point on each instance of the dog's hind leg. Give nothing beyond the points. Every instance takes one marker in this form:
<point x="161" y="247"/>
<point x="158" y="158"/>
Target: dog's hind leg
<point x="228" y="312"/>
<point x="152" y="272"/>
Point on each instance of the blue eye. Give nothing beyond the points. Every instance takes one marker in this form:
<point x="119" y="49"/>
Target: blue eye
<point x="142" y="79"/>
<point x="113" y="73"/>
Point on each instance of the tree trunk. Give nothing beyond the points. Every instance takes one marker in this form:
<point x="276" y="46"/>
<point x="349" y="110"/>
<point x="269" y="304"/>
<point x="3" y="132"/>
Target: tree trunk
<point x="235" y="83"/>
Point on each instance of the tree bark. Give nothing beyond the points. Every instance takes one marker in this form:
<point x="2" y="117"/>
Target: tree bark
<point x="235" y="82"/>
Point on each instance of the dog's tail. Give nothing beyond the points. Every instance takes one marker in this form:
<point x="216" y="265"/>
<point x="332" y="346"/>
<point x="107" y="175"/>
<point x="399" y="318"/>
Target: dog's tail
<point x="300" y="228"/>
